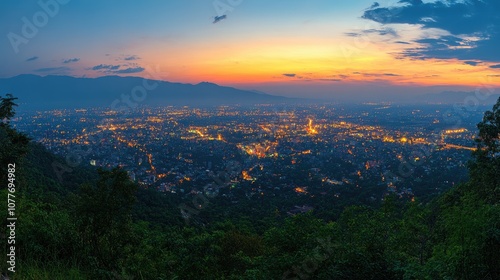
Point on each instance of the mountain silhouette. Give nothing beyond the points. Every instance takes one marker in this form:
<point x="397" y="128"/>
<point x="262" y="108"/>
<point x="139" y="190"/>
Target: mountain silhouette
<point x="65" y="92"/>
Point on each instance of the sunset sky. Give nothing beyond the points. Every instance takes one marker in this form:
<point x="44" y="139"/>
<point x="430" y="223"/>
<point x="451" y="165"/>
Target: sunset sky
<point x="316" y="48"/>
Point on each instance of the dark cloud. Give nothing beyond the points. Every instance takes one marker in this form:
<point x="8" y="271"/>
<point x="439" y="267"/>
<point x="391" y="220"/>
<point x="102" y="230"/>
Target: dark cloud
<point x="219" y="18"/>
<point x="374" y="5"/>
<point x="71" y="60"/>
<point x="377" y="74"/>
<point x="132" y="57"/>
<point x="443" y="42"/>
<point x="115" y="69"/>
<point x="352" y="34"/>
<point x="32" y="58"/>
<point x="496" y="66"/>
<point x="128" y="70"/>
<point x="105" y="67"/>
<point x="289" y="75"/>
<point x="383" y="32"/>
<point x="52" y="69"/>
<point x="330" y="80"/>
<point x="402" y="42"/>
<point x="472" y="63"/>
<point x="467" y="18"/>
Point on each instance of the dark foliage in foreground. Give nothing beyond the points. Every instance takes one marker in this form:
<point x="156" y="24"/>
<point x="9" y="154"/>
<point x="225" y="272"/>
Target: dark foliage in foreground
<point x="97" y="224"/>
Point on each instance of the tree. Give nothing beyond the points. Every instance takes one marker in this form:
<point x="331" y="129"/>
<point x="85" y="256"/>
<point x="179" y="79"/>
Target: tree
<point x="485" y="167"/>
<point x="103" y="212"/>
<point x="489" y="132"/>
<point x="7" y="107"/>
<point x="13" y="145"/>
<point x="466" y="244"/>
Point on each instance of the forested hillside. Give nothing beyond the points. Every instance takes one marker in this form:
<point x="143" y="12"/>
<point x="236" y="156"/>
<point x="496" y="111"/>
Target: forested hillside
<point x="97" y="224"/>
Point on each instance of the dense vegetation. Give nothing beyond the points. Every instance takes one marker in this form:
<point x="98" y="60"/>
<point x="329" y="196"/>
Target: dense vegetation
<point x="96" y="224"/>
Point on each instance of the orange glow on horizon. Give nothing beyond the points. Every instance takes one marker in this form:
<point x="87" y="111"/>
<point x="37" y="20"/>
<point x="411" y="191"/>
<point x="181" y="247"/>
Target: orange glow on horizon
<point x="318" y="60"/>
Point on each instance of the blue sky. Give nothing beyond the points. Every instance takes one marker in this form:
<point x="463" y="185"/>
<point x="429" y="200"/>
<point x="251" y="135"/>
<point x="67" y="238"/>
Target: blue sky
<point x="283" y="47"/>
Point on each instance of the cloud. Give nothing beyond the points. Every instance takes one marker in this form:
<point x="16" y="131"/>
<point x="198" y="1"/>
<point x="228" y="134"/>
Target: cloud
<point x="472" y="27"/>
<point x="330" y="80"/>
<point x="443" y="41"/>
<point x="32" y="58"/>
<point x="472" y="63"/>
<point x="289" y="75"/>
<point x="352" y="34"/>
<point x="132" y="57"/>
<point x="128" y="70"/>
<point x="115" y="69"/>
<point x="105" y="67"/>
<point x="66" y="61"/>
<point x="52" y="69"/>
<point x="219" y="18"/>
<point x="382" y="32"/>
<point x="496" y="66"/>
<point x="374" y="5"/>
<point x="427" y="19"/>
<point x="377" y="74"/>
<point x="402" y="42"/>
<point x="411" y="2"/>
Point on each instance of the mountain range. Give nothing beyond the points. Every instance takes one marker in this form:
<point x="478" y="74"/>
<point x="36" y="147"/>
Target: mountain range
<point x="65" y="92"/>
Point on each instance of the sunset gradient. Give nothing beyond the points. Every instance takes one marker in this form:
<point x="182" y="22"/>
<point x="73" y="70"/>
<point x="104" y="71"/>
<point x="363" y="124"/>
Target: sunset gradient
<point x="325" y="46"/>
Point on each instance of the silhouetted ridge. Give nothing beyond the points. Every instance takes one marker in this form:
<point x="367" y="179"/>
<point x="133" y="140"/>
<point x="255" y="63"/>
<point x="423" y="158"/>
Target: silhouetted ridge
<point x="49" y="92"/>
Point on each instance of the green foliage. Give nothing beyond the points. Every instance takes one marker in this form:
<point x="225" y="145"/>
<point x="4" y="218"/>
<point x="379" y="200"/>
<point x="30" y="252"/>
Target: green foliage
<point x="485" y="167"/>
<point x="103" y="218"/>
<point x="460" y="250"/>
<point x="7" y="107"/>
<point x="13" y="145"/>
<point x="238" y="250"/>
<point x="39" y="270"/>
<point x="45" y="233"/>
<point x="98" y="225"/>
<point x="489" y="131"/>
